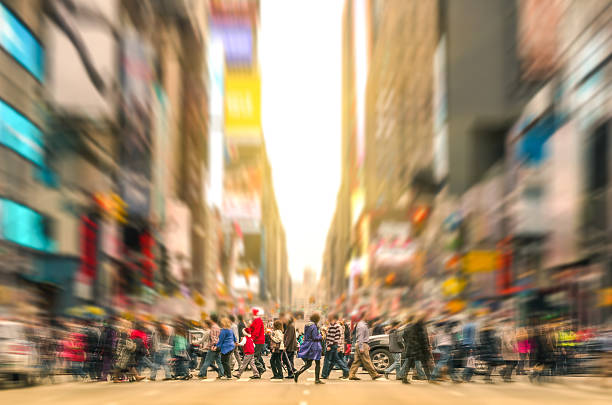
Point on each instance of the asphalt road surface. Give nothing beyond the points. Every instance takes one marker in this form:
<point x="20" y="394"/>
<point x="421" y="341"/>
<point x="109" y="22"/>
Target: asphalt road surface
<point x="570" y="390"/>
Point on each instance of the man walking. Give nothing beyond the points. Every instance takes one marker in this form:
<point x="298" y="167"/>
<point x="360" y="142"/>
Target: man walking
<point x="258" y="334"/>
<point x="416" y="348"/>
<point x="396" y="348"/>
<point x="212" y="355"/>
<point x="334" y="346"/>
<point x="362" y="351"/>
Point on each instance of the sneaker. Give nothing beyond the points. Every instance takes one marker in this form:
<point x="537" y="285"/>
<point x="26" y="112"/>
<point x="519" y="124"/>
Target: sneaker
<point x="344" y="377"/>
<point x="319" y="382"/>
<point x="202" y="377"/>
<point x="405" y="381"/>
<point x="377" y="376"/>
<point x="354" y="378"/>
<point x="255" y="377"/>
<point x="289" y="377"/>
<point x="237" y="376"/>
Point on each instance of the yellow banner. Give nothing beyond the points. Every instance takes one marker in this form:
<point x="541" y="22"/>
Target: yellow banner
<point x="480" y="261"/>
<point x="243" y="105"/>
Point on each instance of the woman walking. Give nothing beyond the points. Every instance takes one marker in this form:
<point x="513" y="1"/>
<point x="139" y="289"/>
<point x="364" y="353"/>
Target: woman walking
<point x="180" y="352"/>
<point x="227" y="343"/>
<point x="277" y="346"/>
<point x="310" y="350"/>
<point x="290" y="347"/>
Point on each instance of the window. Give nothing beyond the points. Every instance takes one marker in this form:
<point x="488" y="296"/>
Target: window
<point x="17" y="40"/>
<point x="24" y="226"/>
<point x="21" y="135"/>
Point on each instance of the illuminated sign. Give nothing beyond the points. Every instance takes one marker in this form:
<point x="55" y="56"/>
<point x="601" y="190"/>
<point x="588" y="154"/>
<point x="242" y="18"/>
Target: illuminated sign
<point x="237" y="41"/>
<point x="20" y="135"/>
<point x="18" y="41"/>
<point x="243" y="105"/>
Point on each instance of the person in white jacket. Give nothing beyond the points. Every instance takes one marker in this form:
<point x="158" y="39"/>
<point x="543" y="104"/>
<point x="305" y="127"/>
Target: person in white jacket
<point x="277" y="346"/>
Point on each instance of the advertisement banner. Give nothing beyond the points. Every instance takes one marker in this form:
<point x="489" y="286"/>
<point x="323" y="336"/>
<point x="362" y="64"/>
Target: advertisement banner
<point x="243" y="107"/>
<point x="178" y="237"/>
<point x="137" y="74"/>
<point x="480" y="261"/>
<point x="237" y="38"/>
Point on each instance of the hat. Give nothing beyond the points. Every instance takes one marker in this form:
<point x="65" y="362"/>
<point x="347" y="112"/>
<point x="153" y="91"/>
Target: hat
<point x="257" y="311"/>
<point x="246" y="332"/>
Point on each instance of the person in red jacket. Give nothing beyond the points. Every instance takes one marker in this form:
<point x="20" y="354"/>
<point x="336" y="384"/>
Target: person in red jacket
<point x="249" y="350"/>
<point x="259" y="338"/>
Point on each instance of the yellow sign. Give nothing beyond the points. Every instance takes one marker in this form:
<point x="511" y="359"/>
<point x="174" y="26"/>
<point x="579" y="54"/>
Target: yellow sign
<point x="243" y="105"/>
<point x="113" y="206"/>
<point x="453" y="286"/>
<point x="480" y="261"/>
<point x="605" y="297"/>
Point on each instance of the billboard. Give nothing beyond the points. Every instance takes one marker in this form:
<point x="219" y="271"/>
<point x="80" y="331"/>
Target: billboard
<point x="243" y="107"/>
<point x="21" y="135"/>
<point x="137" y="75"/>
<point x="237" y="39"/>
<point x="216" y="71"/>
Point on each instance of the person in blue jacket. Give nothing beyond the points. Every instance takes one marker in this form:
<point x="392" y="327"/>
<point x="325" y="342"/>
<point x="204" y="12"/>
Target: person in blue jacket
<point x="227" y="343"/>
<point x="310" y="350"/>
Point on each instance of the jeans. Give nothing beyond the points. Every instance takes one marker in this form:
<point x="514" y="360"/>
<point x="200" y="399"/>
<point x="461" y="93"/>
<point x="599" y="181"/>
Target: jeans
<point x="76" y="369"/>
<point x="409" y="363"/>
<point x="259" y="363"/>
<point x="145" y="362"/>
<point x="506" y="373"/>
<point x="180" y="367"/>
<point x="211" y="357"/>
<point x="161" y="360"/>
<point x="397" y="364"/>
<point x="446" y="359"/>
<point x="332" y="357"/>
<point x="276" y="364"/>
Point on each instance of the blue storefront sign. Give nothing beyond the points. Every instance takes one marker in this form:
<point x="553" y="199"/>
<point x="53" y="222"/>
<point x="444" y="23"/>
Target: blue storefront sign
<point x="17" y="40"/>
<point x="20" y="135"/>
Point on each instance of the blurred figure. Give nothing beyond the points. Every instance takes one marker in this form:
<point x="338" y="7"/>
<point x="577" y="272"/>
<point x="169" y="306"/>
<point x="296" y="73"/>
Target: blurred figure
<point x="396" y="347"/>
<point x="248" y="348"/>
<point x="290" y="347"/>
<point x="310" y="350"/>
<point x="162" y="352"/>
<point x="524" y="348"/>
<point x="334" y="346"/>
<point x="543" y="348"/>
<point x="48" y="350"/>
<point x="73" y="351"/>
<point x="236" y="353"/>
<point x="92" y="341"/>
<point x="444" y="344"/>
<point x="362" y="351"/>
<point x="510" y="352"/>
<point x="489" y="350"/>
<point x="125" y="369"/>
<point x="108" y="341"/>
<point x="212" y="351"/>
<point x="468" y="343"/>
<point x="180" y="352"/>
<point x="277" y="347"/>
<point x="141" y="354"/>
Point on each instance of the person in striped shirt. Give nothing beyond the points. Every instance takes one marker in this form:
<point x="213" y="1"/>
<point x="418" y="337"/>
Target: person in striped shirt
<point x="334" y="346"/>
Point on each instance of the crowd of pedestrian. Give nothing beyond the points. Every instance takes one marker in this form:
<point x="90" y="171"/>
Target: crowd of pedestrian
<point x="121" y="350"/>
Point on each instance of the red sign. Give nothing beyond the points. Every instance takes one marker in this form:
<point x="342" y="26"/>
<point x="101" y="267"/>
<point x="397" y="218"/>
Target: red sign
<point x="89" y="247"/>
<point x="148" y="261"/>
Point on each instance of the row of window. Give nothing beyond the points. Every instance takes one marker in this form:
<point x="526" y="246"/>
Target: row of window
<point x="20" y="224"/>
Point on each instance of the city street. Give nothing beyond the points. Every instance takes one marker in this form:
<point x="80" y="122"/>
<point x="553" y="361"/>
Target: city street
<point x="570" y="390"/>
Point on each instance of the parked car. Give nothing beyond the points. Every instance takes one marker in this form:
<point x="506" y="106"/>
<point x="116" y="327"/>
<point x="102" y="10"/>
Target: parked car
<point x="18" y="356"/>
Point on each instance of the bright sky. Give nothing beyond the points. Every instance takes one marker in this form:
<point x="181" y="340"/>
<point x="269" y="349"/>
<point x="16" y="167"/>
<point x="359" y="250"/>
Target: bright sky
<point x="300" y="56"/>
